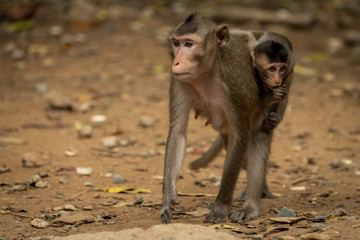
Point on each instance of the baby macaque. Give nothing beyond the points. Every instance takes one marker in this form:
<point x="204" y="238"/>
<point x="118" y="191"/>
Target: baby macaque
<point x="273" y="62"/>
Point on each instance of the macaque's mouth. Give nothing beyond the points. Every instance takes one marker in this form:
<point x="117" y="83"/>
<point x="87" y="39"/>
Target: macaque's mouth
<point x="181" y="74"/>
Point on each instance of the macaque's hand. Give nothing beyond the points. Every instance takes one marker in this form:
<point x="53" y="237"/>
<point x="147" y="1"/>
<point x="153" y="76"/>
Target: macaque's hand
<point x="271" y="121"/>
<point x="279" y="93"/>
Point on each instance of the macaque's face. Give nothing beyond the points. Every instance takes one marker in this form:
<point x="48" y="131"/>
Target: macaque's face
<point x="187" y="53"/>
<point x="271" y="73"/>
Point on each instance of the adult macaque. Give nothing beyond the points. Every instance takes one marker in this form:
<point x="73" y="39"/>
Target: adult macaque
<point x="213" y="74"/>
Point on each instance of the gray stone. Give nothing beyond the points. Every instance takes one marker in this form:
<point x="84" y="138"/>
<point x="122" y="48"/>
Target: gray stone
<point x="287" y="212"/>
<point x="118" y="179"/>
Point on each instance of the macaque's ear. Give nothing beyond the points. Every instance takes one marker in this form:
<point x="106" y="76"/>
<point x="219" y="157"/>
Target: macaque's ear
<point x="222" y="36"/>
<point x="252" y="57"/>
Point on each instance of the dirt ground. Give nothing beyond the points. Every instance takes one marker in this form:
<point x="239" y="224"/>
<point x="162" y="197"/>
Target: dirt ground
<point x="122" y="68"/>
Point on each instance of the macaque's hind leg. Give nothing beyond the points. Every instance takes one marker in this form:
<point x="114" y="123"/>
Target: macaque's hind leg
<point x="266" y="193"/>
<point x="235" y="156"/>
<point x="256" y="174"/>
<point x="209" y="156"/>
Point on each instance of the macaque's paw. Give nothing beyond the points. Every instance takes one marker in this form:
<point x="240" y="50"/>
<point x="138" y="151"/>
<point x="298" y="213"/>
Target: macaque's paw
<point x="165" y="211"/>
<point x="219" y="213"/>
<point x="279" y="93"/>
<point x="271" y="121"/>
<point x="246" y="213"/>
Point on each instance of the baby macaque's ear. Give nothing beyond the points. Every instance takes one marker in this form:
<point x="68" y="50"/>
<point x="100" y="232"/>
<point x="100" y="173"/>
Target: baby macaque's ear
<point x="252" y="57"/>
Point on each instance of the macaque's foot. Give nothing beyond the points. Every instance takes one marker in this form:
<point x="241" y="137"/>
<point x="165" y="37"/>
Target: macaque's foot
<point x="266" y="193"/>
<point x="246" y="213"/>
<point x="271" y="121"/>
<point x="165" y="211"/>
<point x="279" y="93"/>
<point x="219" y="213"/>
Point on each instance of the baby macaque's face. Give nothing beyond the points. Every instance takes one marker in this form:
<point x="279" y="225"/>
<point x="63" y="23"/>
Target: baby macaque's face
<point x="271" y="73"/>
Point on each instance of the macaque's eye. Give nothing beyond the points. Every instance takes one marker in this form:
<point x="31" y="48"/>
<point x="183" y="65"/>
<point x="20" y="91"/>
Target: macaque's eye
<point x="176" y="44"/>
<point x="283" y="69"/>
<point x="189" y="44"/>
<point x="272" y="69"/>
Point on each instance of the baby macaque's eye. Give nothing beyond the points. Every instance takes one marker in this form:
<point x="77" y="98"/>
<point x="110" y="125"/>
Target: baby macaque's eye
<point x="283" y="69"/>
<point x="176" y="44"/>
<point x="272" y="69"/>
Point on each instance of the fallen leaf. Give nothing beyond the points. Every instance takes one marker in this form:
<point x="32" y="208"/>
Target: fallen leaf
<point x="123" y="204"/>
<point x="288" y="220"/>
<point x="224" y="226"/>
<point x="123" y="190"/>
<point x="315" y="236"/>
<point x="196" y="195"/>
<point x="275" y="229"/>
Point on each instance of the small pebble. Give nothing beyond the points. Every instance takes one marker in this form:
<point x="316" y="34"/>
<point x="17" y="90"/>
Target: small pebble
<point x="146" y="121"/>
<point x="108" y="175"/>
<point x="287" y="212"/>
<point x="318" y="226"/>
<point x="39" y="223"/>
<point x="29" y="160"/>
<point x="41" y="87"/>
<point x="41" y="184"/>
<point x="109" y="142"/>
<point x="17" y="54"/>
<point x="70" y="152"/>
<point x="340" y="212"/>
<point x="138" y="201"/>
<point x="110" y="223"/>
<point x="88" y="184"/>
<point x="88" y="208"/>
<point x="63" y="180"/>
<point x="118" y="179"/>
<point x="56" y="30"/>
<point x="322" y="218"/>
<point x="69" y="207"/>
<point x="98" y="118"/>
<point x="84" y="170"/>
<point x="34" y="179"/>
<point x="299" y="188"/>
<point x="85" y="131"/>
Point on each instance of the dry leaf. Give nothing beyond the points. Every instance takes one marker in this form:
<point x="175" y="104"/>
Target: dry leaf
<point x="273" y="229"/>
<point x="315" y="236"/>
<point x="123" y="204"/>
<point x="224" y="226"/>
<point x="196" y="195"/>
<point x="289" y="220"/>
<point x="123" y="190"/>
